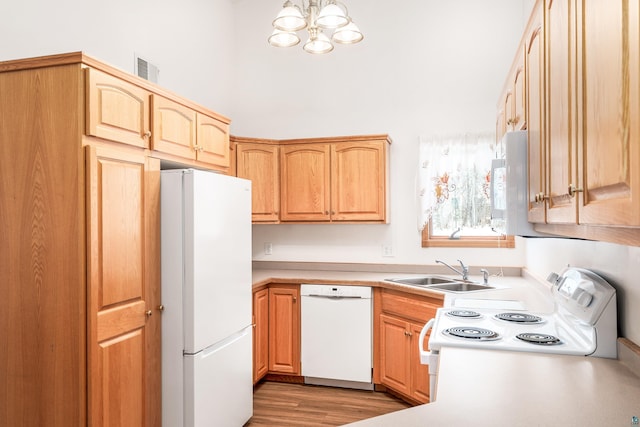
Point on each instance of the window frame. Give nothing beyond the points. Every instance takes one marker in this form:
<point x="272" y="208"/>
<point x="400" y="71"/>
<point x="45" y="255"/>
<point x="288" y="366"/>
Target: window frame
<point x="500" y="241"/>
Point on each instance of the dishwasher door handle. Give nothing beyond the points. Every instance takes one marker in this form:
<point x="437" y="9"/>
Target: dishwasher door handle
<point x="333" y="296"/>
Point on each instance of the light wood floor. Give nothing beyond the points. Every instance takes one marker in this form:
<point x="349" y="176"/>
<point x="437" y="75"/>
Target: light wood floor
<point x="284" y="404"/>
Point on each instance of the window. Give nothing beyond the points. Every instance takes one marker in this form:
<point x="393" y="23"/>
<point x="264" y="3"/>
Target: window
<point x="453" y="191"/>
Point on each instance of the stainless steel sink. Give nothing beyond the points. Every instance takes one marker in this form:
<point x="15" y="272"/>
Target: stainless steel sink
<point x="461" y="287"/>
<point x="442" y="284"/>
<point x="424" y="281"/>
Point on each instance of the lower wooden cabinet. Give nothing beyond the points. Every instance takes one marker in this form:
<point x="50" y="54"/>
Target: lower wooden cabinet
<point x="284" y="329"/>
<point x="400" y="367"/>
<point x="398" y="321"/>
<point x="260" y="334"/>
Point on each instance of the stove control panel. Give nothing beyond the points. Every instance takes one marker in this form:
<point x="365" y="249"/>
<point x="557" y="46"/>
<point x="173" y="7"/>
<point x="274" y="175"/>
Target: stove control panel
<point x="582" y="292"/>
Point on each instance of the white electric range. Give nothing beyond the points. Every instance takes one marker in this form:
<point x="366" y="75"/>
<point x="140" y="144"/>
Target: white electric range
<point x="583" y="322"/>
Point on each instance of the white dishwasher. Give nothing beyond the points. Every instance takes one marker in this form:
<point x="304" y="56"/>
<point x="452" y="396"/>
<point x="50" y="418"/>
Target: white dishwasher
<point x="336" y="329"/>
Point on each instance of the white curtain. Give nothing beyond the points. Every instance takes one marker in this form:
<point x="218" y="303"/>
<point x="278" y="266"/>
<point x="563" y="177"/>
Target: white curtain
<point x="454" y="174"/>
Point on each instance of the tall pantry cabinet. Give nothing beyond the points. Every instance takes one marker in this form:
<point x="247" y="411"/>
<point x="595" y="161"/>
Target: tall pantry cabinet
<point x="79" y="220"/>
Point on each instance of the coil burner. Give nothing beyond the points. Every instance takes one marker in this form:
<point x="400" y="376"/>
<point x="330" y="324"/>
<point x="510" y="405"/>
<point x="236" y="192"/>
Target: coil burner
<point x="472" y="333"/>
<point x="539" y="339"/>
<point x="519" y="317"/>
<point x="467" y="314"/>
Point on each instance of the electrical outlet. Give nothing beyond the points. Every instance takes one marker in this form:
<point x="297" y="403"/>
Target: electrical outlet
<point x="387" y="250"/>
<point x="268" y="248"/>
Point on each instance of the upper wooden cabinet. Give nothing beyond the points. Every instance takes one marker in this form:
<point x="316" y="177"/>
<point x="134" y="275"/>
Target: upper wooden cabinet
<point x="340" y="179"/>
<point x="358" y="181"/>
<point x="561" y="112"/>
<point x="174" y="128"/>
<point x="116" y="109"/>
<point x="608" y="178"/>
<point x="582" y="68"/>
<point x="512" y="102"/>
<point x="259" y="163"/>
<point x="335" y="179"/>
<point x="183" y="132"/>
<point x="213" y="141"/>
<point x="534" y="49"/>
<point x="305" y="177"/>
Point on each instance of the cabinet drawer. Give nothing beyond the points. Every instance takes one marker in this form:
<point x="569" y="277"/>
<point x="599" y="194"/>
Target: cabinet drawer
<point x="116" y="110"/>
<point x="413" y="307"/>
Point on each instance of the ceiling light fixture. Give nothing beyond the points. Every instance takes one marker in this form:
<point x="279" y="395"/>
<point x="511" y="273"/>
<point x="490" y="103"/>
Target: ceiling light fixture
<point x="315" y="16"/>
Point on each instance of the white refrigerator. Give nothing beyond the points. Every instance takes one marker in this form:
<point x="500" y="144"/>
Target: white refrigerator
<point x="206" y="293"/>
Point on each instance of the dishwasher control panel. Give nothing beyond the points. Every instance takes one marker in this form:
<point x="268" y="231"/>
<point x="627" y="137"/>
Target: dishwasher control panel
<point x="335" y="291"/>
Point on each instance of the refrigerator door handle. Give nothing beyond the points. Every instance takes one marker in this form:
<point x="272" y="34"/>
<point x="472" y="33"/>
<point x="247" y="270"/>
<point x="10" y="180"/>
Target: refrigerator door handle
<point x="212" y="349"/>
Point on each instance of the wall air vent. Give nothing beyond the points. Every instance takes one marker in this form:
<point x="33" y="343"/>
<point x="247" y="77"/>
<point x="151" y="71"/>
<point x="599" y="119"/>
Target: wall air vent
<point x="146" y="70"/>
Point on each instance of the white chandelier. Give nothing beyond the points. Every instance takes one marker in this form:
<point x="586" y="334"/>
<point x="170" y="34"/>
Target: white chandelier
<point x="315" y="16"/>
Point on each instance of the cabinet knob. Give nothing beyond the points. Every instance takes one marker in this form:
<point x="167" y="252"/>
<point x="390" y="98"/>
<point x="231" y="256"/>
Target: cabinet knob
<point x="148" y="313"/>
<point x="540" y="197"/>
<point x="161" y="307"/>
<point x="295" y="299"/>
<point x="573" y="190"/>
<point x="147" y="134"/>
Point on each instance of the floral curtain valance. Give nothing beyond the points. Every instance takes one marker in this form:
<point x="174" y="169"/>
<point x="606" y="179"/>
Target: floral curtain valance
<point x="453" y="177"/>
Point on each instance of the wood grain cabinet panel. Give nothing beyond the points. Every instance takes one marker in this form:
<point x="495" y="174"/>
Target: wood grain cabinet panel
<point x="119" y="292"/>
<point x="42" y="261"/>
<point x="561" y="111"/>
<point x="335" y="179"/>
<point x="305" y="178"/>
<point x="213" y="141"/>
<point x="609" y="124"/>
<point x="117" y="110"/>
<point x="260" y="334"/>
<point x="358" y="181"/>
<point x="259" y="163"/>
<point x="398" y="320"/>
<point x="174" y="128"/>
<point x="284" y="329"/>
<point x="186" y="134"/>
<point x="536" y="114"/>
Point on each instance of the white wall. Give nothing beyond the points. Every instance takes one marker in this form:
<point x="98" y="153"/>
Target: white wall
<point x="424" y="67"/>
<point x="187" y="39"/>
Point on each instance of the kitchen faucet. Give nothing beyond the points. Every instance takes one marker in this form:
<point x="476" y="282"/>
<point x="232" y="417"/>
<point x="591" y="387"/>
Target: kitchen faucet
<point x="464" y="272"/>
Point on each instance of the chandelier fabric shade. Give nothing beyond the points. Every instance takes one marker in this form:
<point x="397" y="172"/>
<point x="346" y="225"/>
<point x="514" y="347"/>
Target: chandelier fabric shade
<point x="316" y="16"/>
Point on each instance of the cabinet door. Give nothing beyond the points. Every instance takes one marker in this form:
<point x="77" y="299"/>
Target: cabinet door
<point x="535" y="118"/>
<point x="117" y="110"/>
<point x="609" y="133"/>
<point x="174" y="128"/>
<point x="395" y="354"/>
<point x="260" y="334"/>
<point x="305" y="182"/>
<point x="259" y="163"/>
<point x="419" y="372"/>
<point x="213" y="141"/>
<point x="519" y="121"/>
<point x="507" y="107"/>
<point x="358" y="181"/>
<point x="284" y="330"/>
<point x="561" y="170"/>
<point x="123" y="339"/>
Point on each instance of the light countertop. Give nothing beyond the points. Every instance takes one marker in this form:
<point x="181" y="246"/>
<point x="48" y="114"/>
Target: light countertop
<point x="503" y="388"/>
